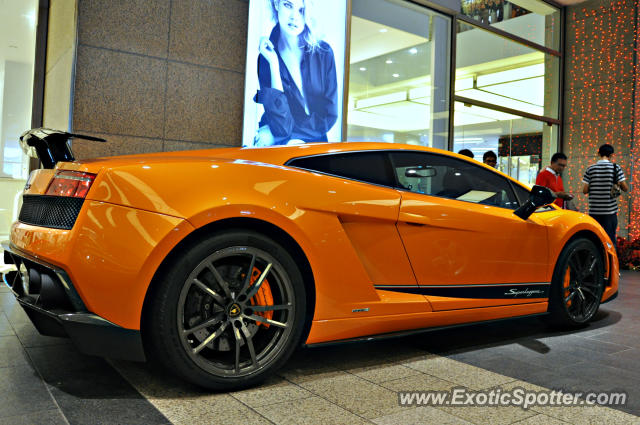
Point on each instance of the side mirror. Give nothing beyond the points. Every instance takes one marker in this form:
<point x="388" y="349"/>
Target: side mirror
<point x="418" y="172"/>
<point x="539" y="196"/>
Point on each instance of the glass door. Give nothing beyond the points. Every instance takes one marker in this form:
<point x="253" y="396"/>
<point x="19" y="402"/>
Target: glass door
<point x="519" y="143"/>
<point x="398" y="74"/>
<point x="507" y="84"/>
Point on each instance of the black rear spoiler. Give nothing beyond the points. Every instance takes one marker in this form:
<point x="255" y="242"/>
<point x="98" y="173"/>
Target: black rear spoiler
<point x="50" y="146"/>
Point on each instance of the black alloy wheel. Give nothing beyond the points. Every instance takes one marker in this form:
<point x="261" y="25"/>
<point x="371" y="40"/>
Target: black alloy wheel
<point x="578" y="283"/>
<point x="229" y="312"/>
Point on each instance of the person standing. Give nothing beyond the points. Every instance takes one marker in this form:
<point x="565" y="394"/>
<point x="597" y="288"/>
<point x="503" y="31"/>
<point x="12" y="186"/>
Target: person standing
<point x="466" y="152"/>
<point x="598" y="181"/>
<point x="490" y="158"/>
<point x="551" y="177"/>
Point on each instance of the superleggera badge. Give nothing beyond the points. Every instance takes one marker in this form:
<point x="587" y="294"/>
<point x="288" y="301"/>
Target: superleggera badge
<point x="526" y="292"/>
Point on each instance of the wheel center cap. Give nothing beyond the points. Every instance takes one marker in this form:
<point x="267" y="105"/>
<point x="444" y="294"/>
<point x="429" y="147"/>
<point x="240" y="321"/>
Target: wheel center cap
<point x="234" y="310"/>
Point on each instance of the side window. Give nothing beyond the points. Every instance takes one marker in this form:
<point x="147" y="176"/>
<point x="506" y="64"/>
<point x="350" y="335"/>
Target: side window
<point x="521" y="193"/>
<point x="439" y="175"/>
<point x="370" y="167"/>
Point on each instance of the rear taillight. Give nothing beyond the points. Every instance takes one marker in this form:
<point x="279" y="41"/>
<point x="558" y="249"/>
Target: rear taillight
<point x="75" y="184"/>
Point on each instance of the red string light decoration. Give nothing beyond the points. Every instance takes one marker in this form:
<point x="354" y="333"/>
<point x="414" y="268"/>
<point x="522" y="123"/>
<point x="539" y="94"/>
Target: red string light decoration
<point x="602" y="103"/>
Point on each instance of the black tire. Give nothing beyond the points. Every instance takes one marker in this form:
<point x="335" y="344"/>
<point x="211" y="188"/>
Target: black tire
<point x="205" y="323"/>
<point x="577" y="284"/>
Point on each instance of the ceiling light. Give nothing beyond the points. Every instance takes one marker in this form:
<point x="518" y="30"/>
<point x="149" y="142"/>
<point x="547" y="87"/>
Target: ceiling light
<point x="463" y="84"/>
<point x="396" y="75"/>
<point x="363" y="68"/>
<point x="419" y="92"/>
<point x="383" y="30"/>
<point x="381" y="100"/>
<point x="389" y="61"/>
<point x="471" y="140"/>
<point x="31" y="17"/>
<point x="515" y="74"/>
<point x="487" y="97"/>
<point x="413" y="51"/>
<point x="466" y="115"/>
<point x="398" y="117"/>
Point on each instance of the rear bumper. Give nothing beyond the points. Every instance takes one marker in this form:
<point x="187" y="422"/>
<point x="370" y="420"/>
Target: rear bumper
<point x="64" y="315"/>
<point x="110" y="255"/>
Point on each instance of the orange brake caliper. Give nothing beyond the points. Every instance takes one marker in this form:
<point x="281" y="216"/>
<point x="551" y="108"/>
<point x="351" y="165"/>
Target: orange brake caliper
<point x="262" y="297"/>
<point x="567" y="281"/>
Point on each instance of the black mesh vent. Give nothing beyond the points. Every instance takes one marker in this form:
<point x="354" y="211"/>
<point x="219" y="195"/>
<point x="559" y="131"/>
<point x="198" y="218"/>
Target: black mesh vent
<point x="58" y="212"/>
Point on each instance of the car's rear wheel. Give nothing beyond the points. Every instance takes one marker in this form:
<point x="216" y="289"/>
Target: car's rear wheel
<point x="229" y="311"/>
<point x="578" y="283"/>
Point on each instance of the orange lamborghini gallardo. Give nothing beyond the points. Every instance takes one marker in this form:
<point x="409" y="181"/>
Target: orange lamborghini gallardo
<point x="220" y="263"/>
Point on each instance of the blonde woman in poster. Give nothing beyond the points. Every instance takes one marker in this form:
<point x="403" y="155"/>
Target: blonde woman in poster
<point x="297" y="77"/>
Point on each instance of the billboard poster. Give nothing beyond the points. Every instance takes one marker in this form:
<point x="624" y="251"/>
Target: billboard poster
<point x="294" y="73"/>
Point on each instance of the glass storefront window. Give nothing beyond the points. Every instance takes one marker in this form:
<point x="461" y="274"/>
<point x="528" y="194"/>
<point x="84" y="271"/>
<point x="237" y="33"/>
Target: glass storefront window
<point x="522" y="145"/>
<point x="495" y="70"/>
<point x="533" y="20"/>
<point x="17" y="54"/>
<point x="399" y="74"/>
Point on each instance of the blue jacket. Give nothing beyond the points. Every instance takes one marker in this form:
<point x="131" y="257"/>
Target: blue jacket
<point x="284" y="112"/>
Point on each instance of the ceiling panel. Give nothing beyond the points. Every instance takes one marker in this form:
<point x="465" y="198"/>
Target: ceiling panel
<point x="371" y="39"/>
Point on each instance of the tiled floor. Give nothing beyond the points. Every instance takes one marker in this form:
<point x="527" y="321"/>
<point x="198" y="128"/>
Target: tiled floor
<point x="45" y="380"/>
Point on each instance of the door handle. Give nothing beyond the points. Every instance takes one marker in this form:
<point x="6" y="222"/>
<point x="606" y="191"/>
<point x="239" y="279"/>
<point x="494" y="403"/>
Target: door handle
<point x="413" y="219"/>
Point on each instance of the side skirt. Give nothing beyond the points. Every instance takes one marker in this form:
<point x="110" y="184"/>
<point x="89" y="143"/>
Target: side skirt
<point x="367" y="327"/>
<point x="401" y="334"/>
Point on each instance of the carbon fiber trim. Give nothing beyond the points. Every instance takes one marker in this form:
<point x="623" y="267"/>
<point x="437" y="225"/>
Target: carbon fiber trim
<point x="57" y="212"/>
<point x="506" y="291"/>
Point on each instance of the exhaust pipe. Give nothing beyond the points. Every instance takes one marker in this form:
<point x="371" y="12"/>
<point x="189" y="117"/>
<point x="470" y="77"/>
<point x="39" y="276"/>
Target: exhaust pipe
<point x="52" y="294"/>
<point x="45" y="287"/>
<point x="35" y="282"/>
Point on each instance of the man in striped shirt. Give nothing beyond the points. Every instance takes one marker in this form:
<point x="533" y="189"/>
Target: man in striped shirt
<point x="597" y="182"/>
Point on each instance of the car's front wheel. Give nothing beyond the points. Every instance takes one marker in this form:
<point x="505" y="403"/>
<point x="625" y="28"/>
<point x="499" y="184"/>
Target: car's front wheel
<point x="229" y="311"/>
<point x="577" y="285"/>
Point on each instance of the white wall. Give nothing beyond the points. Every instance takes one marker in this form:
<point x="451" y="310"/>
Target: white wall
<point x="10" y="190"/>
